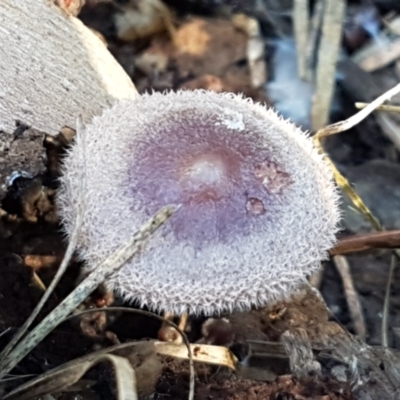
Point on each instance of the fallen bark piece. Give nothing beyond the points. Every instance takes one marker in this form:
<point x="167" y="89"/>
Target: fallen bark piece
<point x="53" y="68"/>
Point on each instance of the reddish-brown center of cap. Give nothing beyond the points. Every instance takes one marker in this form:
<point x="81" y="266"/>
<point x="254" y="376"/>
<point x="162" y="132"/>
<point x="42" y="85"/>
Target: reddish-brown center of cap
<point x="207" y="176"/>
<point x="225" y="179"/>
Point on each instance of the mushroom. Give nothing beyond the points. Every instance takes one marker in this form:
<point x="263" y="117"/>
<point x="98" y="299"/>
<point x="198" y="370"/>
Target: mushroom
<point x="259" y="209"/>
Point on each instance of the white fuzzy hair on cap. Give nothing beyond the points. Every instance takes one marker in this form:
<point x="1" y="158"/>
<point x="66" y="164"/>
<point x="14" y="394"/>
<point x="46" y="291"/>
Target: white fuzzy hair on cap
<point x="259" y="209"/>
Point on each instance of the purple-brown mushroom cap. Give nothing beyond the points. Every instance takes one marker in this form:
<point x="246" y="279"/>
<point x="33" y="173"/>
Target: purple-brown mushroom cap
<point x="259" y="209"/>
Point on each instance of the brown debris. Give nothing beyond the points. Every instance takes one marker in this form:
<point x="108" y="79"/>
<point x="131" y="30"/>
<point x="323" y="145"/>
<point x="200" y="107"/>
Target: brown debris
<point x="235" y="80"/>
<point x="55" y="148"/>
<point x="139" y="19"/>
<point x="220" y="385"/>
<point x="198" y="41"/>
<point x="38" y="262"/>
<point x="36" y="202"/>
<point x="70" y="7"/>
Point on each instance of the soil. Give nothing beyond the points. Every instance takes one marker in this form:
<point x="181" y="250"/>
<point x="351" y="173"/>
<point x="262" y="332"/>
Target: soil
<point x="32" y="244"/>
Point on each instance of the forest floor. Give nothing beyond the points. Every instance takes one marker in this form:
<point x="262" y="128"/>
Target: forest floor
<point x="209" y="50"/>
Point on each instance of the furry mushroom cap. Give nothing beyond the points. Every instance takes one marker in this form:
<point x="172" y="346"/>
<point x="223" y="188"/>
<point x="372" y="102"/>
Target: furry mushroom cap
<point x="259" y="207"/>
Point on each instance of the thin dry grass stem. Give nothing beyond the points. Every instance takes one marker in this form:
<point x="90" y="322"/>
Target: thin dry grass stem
<point x="316" y="278"/>
<point x="68" y="254"/>
<point x="357" y="118"/>
<point x="383" y="107"/>
<point x="10" y="377"/>
<point x="301" y="20"/>
<point x="352" y="298"/>
<point x="5" y="331"/>
<point x="386" y="306"/>
<point x="368" y="241"/>
<point x="316" y="24"/>
<point x="71" y="302"/>
<point x="38" y="283"/>
<point x="389" y="127"/>
<point x="353" y="195"/>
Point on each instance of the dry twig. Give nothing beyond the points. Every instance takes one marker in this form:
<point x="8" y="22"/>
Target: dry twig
<point x="353" y="301"/>
<point x="369" y="241"/>
<point x="378" y="54"/>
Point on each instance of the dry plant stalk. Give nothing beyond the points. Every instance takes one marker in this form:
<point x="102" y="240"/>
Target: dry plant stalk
<point x="301" y="27"/>
<point x="328" y="55"/>
<point x="378" y="54"/>
<point x="389" y="127"/>
<point x="383" y="107"/>
<point x="315" y="28"/>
